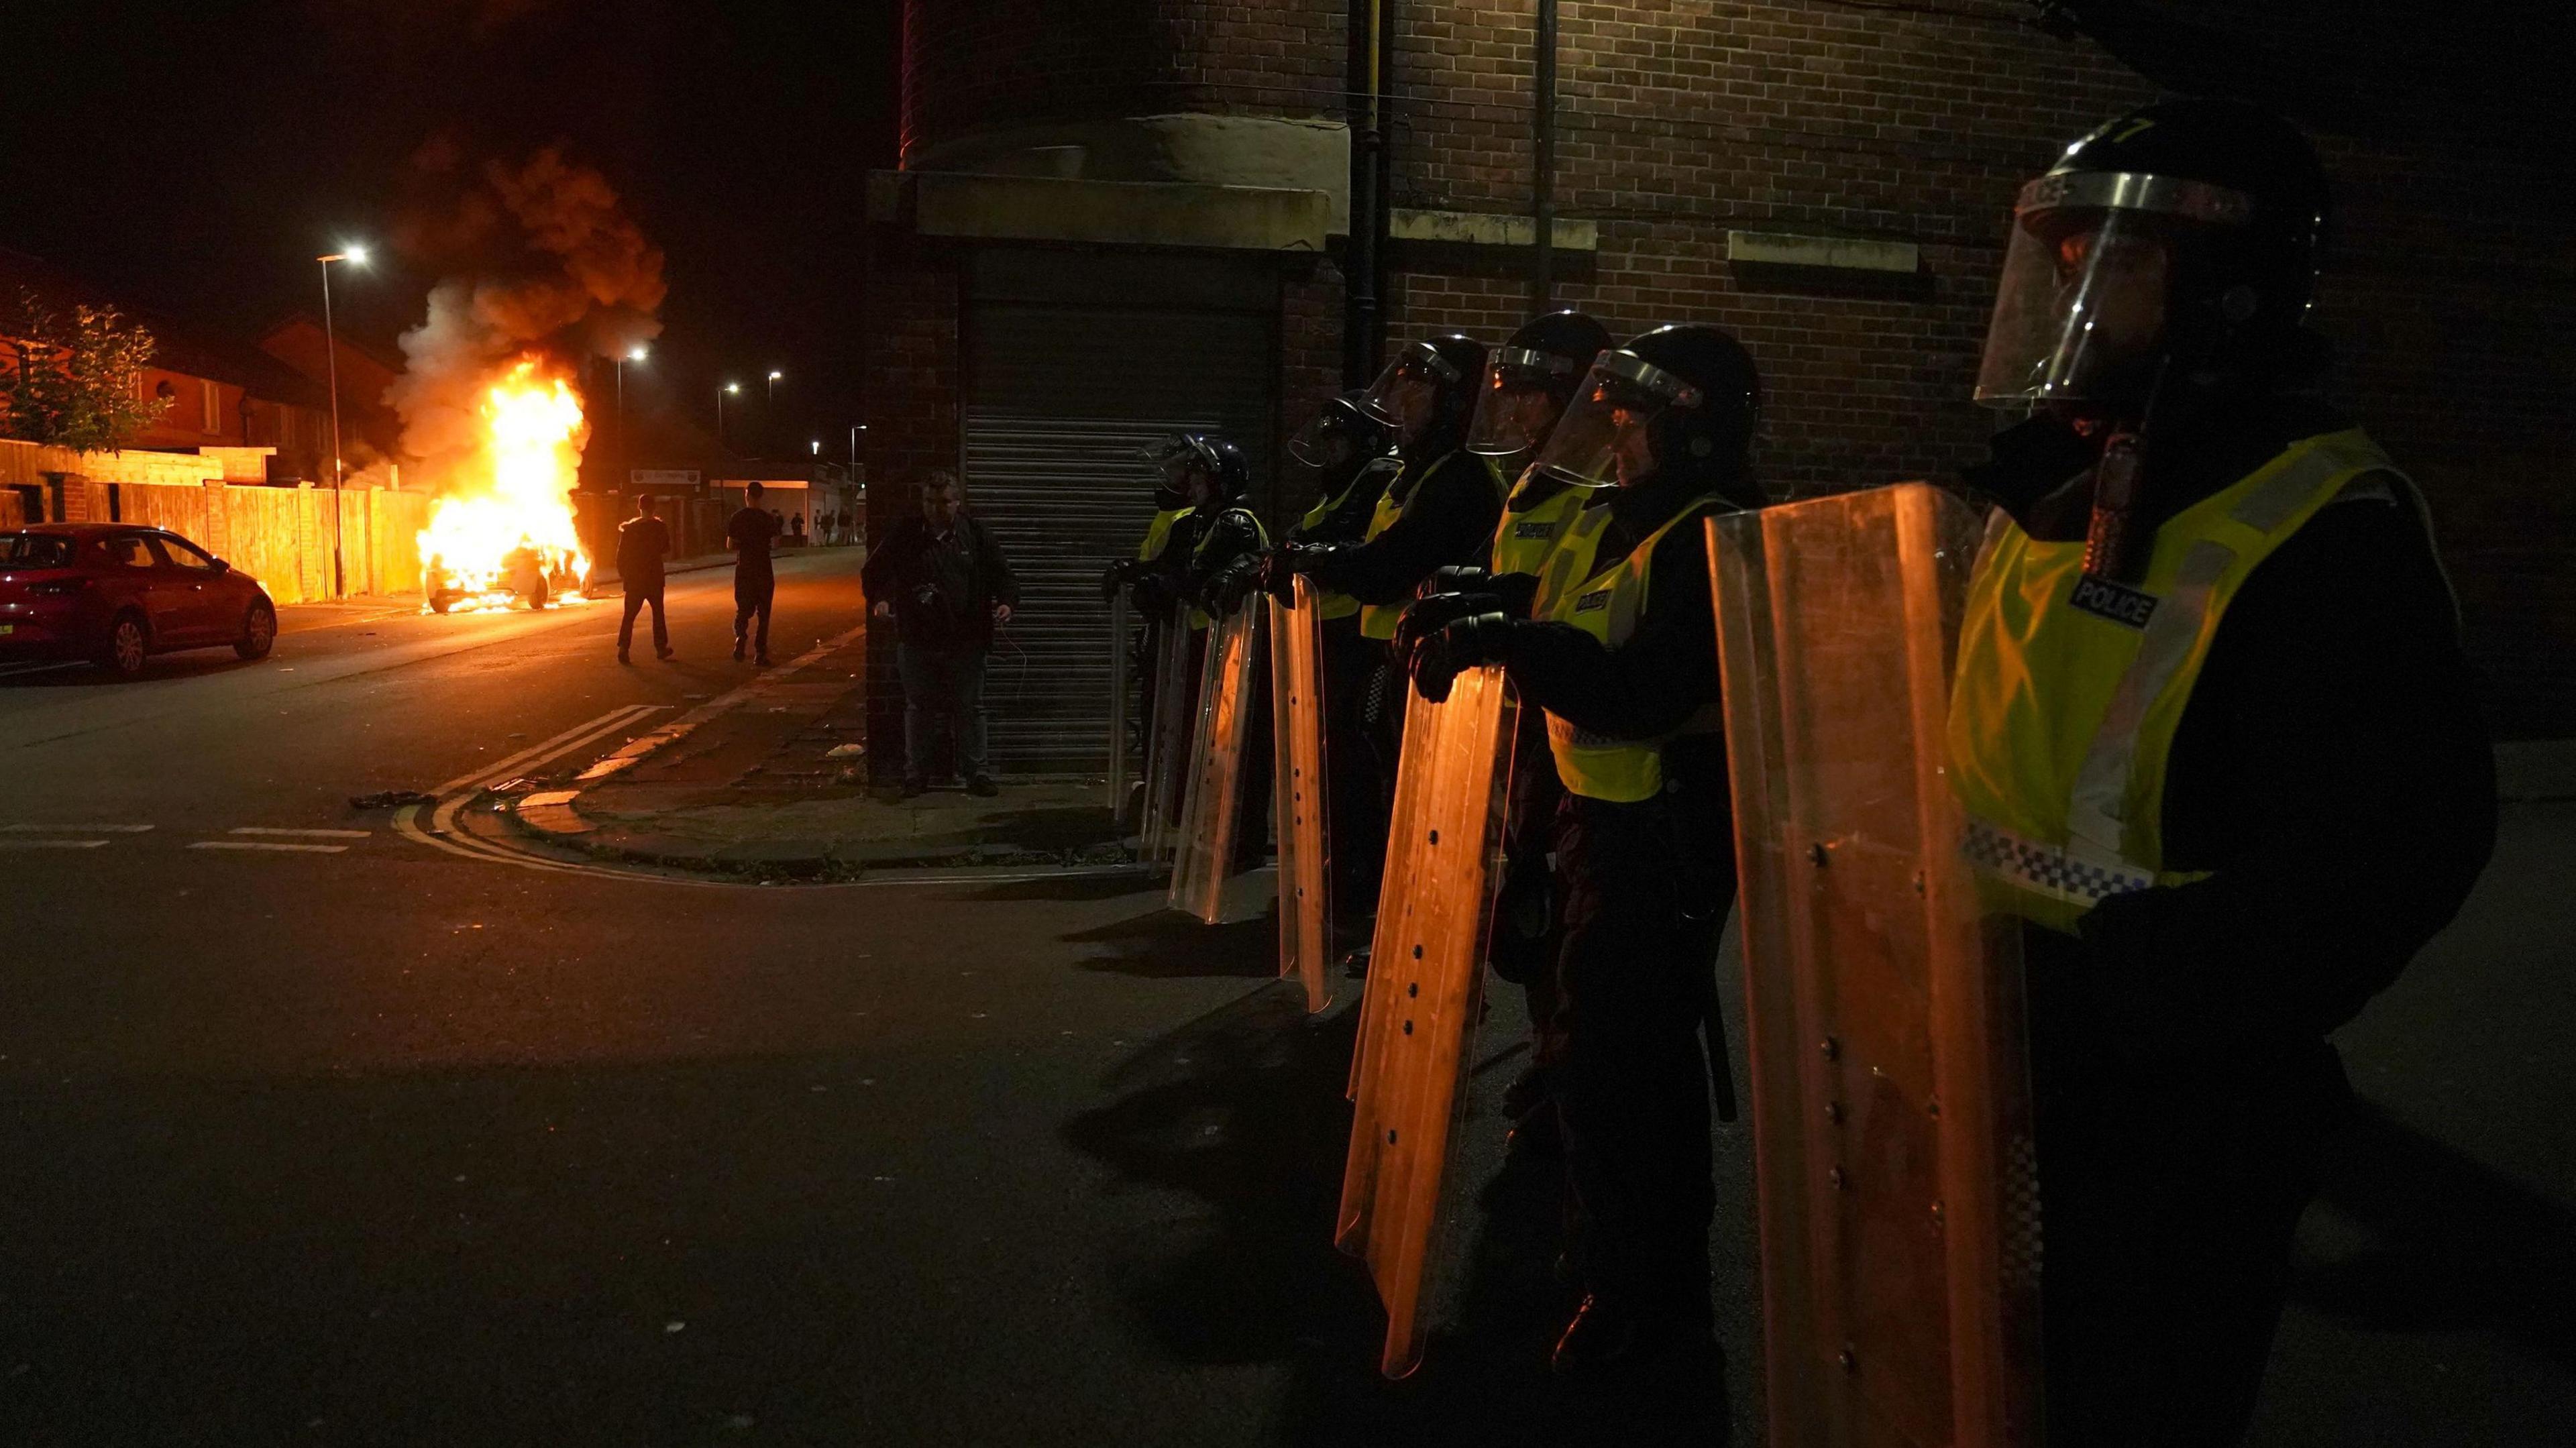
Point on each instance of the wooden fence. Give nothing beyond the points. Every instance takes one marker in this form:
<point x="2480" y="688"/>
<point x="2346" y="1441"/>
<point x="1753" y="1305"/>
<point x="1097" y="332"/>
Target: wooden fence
<point x="283" y="536"/>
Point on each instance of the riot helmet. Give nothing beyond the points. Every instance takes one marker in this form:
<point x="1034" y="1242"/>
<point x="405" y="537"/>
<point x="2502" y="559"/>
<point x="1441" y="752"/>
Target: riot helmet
<point x="1338" y="438"/>
<point x="1529" y="379"/>
<point x="1681" y="398"/>
<point x="1200" y="469"/>
<point x="2186" y="230"/>
<point x="1429" y="387"/>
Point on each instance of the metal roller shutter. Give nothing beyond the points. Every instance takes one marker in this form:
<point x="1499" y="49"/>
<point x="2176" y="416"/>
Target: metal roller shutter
<point x="1060" y="397"/>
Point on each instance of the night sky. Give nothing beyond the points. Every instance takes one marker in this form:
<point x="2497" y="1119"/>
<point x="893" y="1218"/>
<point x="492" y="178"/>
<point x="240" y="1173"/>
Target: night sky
<point x="196" y="157"/>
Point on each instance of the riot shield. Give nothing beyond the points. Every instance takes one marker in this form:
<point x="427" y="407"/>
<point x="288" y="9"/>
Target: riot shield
<point x="1418" y="1015"/>
<point x="1891" y="1096"/>
<point x="1212" y="804"/>
<point x="1119" y="646"/>
<point x="1298" y="793"/>
<point x="1167" y="743"/>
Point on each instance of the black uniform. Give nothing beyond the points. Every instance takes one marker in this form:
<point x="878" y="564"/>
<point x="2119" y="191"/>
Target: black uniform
<point x="2332" y="769"/>
<point x="1645" y="888"/>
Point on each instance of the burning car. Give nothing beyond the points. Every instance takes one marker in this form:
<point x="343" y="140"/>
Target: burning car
<point x="504" y="537"/>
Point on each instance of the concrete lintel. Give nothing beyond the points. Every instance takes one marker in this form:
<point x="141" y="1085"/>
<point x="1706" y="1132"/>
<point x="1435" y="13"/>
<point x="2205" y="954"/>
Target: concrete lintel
<point x="1838" y="253"/>
<point x="1479" y="228"/>
<point x="1128" y="213"/>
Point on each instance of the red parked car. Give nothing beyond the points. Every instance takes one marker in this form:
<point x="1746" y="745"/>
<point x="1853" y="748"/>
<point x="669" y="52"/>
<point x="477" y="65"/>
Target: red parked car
<point x="116" y="594"/>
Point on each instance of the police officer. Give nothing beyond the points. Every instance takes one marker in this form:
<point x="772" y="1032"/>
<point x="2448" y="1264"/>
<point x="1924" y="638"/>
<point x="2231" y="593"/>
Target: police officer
<point x="1218" y="534"/>
<point x="1437" y="512"/>
<point x="1350" y="455"/>
<point x="1528" y="382"/>
<point x="2214" y="733"/>
<point x="1155" y="555"/>
<point x="1147" y="579"/>
<point x="1620" y="650"/>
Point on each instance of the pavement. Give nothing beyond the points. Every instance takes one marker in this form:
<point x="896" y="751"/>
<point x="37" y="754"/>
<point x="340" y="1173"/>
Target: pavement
<point x="770" y="780"/>
<point x="321" y="1125"/>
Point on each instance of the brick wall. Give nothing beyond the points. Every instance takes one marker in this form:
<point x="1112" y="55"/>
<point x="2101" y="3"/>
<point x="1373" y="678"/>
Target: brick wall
<point x="972" y="65"/>
<point x="1682" y="119"/>
<point x="1679" y="121"/>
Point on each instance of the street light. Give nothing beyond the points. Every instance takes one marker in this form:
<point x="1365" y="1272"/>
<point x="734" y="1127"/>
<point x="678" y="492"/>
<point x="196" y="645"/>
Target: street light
<point x="635" y="353"/>
<point x="355" y="256"/>
<point x="729" y="389"/>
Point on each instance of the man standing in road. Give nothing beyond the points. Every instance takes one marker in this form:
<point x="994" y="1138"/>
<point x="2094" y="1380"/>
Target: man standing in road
<point x="944" y="583"/>
<point x="754" y="585"/>
<point x="642" y="543"/>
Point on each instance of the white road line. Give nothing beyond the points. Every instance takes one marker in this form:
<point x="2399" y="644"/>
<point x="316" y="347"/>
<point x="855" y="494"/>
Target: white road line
<point x="270" y="845"/>
<point x="310" y="834"/>
<point x="74" y="829"/>
<point x="50" y="844"/>
<point x="578" y="734"/>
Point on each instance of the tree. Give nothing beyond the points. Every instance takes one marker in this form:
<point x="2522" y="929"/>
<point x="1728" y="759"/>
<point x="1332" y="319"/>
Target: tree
<point x="72" y="383"/>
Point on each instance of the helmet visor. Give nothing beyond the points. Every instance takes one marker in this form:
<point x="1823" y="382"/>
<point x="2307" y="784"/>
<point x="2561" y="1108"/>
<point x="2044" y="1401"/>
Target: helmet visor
<point x="1403" y="395"/>
<point x="1604" y="437"/>
<point x="1329" y="440"/>
<point x="2087" y="279"/>
<point x="1522" y="393"/>
<point x="1177" y="464"/>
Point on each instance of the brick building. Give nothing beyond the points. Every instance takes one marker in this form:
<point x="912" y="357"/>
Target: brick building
<point x="1137" y="214"/>
<point x="220" y="393"/>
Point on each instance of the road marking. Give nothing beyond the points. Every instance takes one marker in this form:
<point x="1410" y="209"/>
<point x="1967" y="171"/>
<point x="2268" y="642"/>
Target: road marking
<point x="279" y="847"/>
<point x="576" y="735"/>
<point x="74" y="829"/>
<point x="50" y="844"/>
<point x="313" y="834"/>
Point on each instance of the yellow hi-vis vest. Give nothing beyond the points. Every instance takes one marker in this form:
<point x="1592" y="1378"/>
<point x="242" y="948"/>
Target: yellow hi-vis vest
<point x="2068" y="690"/>
<point x="1337" y="605"/>
<point x="1158" y="534"/>
<point x="1607" y="604"/>
<point x="1377" y="620"/>
<point x="1525" y="540"/>
<point x="1197" y="616"/>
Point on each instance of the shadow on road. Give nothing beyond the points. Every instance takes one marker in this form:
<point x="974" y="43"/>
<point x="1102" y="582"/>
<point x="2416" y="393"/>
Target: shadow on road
<point x="160" y="668"/>
<point x="2452" y="1244"/>
<point x="1166" y="944"/>
<point x="1245" y="1109"/>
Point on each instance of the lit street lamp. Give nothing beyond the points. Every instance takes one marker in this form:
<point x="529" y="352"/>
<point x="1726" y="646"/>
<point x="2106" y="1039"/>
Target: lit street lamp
<point x="633" y="354"/>
<point x="354" y="256"/>
<point x="729" y="389"/>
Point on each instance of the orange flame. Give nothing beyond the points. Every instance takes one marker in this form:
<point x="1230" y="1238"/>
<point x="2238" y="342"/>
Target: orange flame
<point x="513" y="538"/>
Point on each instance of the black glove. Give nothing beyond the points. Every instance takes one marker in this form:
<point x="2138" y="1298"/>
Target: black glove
<point x="1229" y="586"/>
<point x="1153" y="593"/>
<point x="1427" y="616"/>
<point x="1288" y="560"/>
<point x="1458" y="580"/>
<point x="1513" y="592"/>
<point x="1484" y="638"/>
<point x="1117" y="576"/>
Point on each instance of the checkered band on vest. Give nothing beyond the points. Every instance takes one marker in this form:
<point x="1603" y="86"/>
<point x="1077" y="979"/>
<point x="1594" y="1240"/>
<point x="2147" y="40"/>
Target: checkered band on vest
<point x="2048" y="869"/>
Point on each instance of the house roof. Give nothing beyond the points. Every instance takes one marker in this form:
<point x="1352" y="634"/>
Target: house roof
<point x="179" y="347"/>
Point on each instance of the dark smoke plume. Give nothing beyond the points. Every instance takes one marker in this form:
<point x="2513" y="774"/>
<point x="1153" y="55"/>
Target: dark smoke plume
<point x="539" y="257"/>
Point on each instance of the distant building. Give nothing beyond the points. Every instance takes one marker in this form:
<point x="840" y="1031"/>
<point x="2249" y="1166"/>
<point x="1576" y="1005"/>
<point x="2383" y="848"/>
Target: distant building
<point x="368" y="425"/>
<point x="221" y="393"/>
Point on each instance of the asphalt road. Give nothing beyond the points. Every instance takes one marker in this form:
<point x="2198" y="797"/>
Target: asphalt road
<point x="366" y="1142"/>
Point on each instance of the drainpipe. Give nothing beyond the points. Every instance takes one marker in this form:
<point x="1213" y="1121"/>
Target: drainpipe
<point x="1360" y="266"/>
<point x="1382" y="98"/>
<point x="1543" y="153"/>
